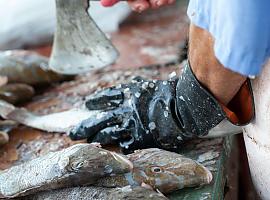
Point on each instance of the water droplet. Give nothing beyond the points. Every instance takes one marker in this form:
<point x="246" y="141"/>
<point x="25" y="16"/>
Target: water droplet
<point x="118" y="86"/>
<point x="179" y="138"/>
<point x="152" y="125"/>
<point x="166" y="113"/>
<point x="156" y="88"/>
<point x="182" y="98"/>
<point x="126" y="90"/>
<point x="171" y="75"/>
<point x="130" y="103"/>
<point x="145" y="85"/>
<point x="151" y="85"/>
<point x="137" y="94"/>
<point x="165" y="82"/>
<point x="125" y="144"/>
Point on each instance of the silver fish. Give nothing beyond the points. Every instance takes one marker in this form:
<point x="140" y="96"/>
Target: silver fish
<point x="80" y="164"/>
<point x="27" y="67"/>
<point x="56" y="122"/>
<point x="98" y="193"/>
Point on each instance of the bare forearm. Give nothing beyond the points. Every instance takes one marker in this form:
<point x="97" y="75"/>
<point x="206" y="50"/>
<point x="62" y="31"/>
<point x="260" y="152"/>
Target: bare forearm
<point x="221" y="82"/>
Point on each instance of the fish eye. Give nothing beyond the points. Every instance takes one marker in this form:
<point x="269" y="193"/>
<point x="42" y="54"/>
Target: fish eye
<point x="156" y="169"/>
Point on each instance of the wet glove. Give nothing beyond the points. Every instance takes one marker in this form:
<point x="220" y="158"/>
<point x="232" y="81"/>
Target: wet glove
<point x="157" y="113"/>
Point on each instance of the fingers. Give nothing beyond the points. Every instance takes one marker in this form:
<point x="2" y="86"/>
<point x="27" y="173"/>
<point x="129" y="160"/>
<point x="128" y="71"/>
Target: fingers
<point x="110" y="135"/>
<point x="118" y="133"/>
<point x="142" y="5"/>
<point x="104" y="100"/>
<point x="158" y="3"/>
<point x="139" y="5"/>
<point x="90" y="127"/>
<point x="108" y="3"/>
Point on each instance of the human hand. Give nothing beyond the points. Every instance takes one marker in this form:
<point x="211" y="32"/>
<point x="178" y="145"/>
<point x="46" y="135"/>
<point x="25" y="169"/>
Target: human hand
<point x="144" y="114"/>
<point x="134" y="115"/>
<point x="140" y="5"/>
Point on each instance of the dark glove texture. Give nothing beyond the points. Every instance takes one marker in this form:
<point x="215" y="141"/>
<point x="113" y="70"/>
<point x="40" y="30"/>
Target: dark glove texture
<point x="154" y="113"/>
<point x="131" y="114"/>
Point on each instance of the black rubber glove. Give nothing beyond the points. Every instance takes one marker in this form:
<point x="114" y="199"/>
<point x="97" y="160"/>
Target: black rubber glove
<point x="132" y="112"/>
<point x="146" y="114"/>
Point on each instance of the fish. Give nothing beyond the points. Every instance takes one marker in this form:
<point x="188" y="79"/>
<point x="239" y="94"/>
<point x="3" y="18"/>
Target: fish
<point x="78" y="165"/>
<point x="61" y="122"/>
<point x="163" y="170"/>
<point x="5" y="127"/>
<point x="99" y="193"/>
<point x="15" y="93"/>
<point x="20" y="66"/>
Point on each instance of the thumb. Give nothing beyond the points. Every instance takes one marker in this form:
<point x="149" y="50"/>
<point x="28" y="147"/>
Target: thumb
<point x="108" y="3"/>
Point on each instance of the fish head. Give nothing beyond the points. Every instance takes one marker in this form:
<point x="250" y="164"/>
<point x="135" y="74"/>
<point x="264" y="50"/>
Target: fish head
<point x="168" y="171"/>
<point x="85" y="158"/>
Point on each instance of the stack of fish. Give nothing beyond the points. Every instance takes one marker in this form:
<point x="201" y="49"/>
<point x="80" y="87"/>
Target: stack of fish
<point x="20" y="72"/>
<point x="85" y="171"/>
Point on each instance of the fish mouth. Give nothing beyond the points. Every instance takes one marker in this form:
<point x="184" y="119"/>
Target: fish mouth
<point x="124" y="160"/>
<point x="209" y="176"/>
<point x="204" y="173"/>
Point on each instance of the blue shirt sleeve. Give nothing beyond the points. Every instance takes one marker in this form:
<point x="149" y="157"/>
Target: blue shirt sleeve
<point x="241" y="29"/>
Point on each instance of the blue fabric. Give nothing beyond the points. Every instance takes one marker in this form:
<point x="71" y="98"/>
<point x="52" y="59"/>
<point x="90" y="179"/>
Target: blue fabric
<point x="241" y="29"/>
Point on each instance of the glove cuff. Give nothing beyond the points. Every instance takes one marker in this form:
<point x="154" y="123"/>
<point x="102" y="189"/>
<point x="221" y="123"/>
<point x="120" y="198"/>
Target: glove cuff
<point x="198" y="111"/>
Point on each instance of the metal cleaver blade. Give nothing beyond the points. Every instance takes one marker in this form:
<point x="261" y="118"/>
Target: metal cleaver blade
<point x="79" y="45"/>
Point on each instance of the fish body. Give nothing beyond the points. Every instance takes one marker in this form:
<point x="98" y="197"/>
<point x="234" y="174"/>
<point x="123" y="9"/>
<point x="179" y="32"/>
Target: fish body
<point x="85" y="164"/>
<point x="5" y="127"/>
<point x="27" y="67"/>
<point x="162" y="170"/>
<point x="98" y="193"/>
<point x="16" y="93"/>
<point x="56" y="122"/>
<point x="80" y="164"/>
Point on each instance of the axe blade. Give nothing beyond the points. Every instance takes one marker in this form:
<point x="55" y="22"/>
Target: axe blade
<point x="79" y="45"/>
